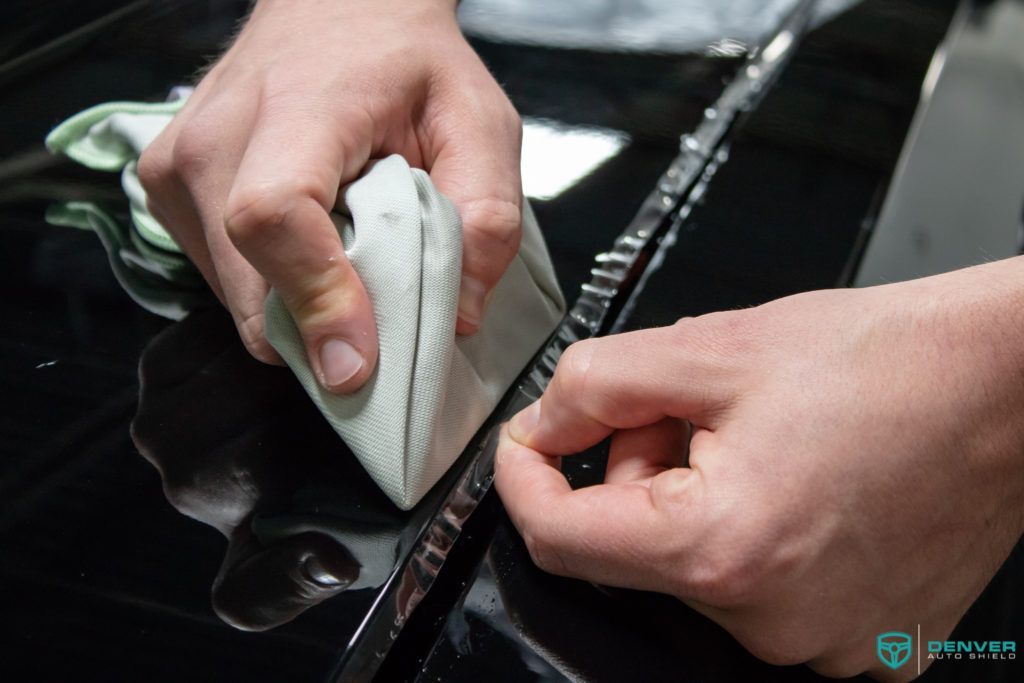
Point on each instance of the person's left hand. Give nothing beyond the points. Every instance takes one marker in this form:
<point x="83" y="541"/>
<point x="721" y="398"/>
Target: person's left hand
<point x="246" y="174"/>
<point x="854" y="468"/>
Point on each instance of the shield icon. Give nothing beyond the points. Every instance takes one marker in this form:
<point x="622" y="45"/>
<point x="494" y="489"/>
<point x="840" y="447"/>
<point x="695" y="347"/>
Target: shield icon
<point x="893" y="648"/>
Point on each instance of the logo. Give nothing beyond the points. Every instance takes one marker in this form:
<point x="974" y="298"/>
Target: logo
<point x="893" y="648"/>
<point x="972" y="649"/>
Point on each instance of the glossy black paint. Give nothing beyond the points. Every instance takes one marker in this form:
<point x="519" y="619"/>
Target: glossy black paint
<point x="102" y="579"/>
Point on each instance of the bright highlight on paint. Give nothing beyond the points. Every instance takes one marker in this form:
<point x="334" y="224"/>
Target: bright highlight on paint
<point x="556" y="156"/>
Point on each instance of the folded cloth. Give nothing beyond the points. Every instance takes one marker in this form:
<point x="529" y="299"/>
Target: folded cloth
<point x="161" y="281"/>
<point x="432" y="390"/>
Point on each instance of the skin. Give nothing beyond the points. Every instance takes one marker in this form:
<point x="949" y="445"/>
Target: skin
<point x="855" y="464"/>
<point x="311" y="90"/>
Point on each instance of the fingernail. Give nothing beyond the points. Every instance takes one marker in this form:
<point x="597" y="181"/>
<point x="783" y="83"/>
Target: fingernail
<point x="339" y="362"/>
<point x="471" y="300"/>
<point x="320" y="575"/>
<point x="524" y="422"/>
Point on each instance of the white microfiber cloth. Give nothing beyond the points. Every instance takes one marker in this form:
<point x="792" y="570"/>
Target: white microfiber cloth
<point x="431" y="390"/>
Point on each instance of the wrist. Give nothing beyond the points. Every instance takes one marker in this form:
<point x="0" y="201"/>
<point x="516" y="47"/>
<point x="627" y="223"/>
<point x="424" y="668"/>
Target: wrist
<point x="376" y="6"/>
<point x="978" y="328"/>
<point x="363" y="22"/>
<point x="984" y="307"/>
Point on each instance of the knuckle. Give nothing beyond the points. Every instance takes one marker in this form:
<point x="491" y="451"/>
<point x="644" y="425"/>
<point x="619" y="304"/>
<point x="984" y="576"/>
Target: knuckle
<point x="497" y="222"/>
<point x="831" y="667"/>
<point x="509" y="120"/>
<point x="780" y="647"/>
<point x="727" y="578"/>
<point x="192" y="150"/>
<point x="400" y="52"/>
<point x="533" y="547"/>
<point x="743" y="559"/>
<point x="777" y="650"/>
<point x="543" y="554"/>
<point x="578" y="376"/>
<point x="513" y="120"/>
<point x="490" y="99"/>
<point x="256" y="213"/>
<point x="723" y="346"/>
<point x="252" y="212"/>
<point x="671" y="491"/>
<point x="155" y="168"/>
<point x="321" y="304"/>
<point x="573" y="369"/>
<point x="251" y="332"/>
<point x="354" y="132"/>
<point x="723" y="334"/>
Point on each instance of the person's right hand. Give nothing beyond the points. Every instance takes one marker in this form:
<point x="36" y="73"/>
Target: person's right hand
<point x="245" y="175"/>
<point x="854" y="466"/>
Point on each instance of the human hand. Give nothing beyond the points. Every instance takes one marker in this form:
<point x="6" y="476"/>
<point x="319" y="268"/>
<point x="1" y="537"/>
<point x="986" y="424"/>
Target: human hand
<point x="854" y="465"/>
<point x="245" y="175"/>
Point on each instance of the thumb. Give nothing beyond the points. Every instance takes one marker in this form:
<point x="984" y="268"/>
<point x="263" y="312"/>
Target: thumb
<point x="278" y="218"/>
<point x="627" y="381"/>
<point x="260" y="587"/>
<point x="623" y="534"/>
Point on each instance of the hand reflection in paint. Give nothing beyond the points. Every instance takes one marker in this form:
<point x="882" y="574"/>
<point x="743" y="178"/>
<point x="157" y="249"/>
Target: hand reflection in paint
<point x="240" y="448"/>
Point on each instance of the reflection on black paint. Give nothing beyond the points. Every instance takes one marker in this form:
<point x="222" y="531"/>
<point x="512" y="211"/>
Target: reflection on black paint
<point x="102" y="580"/>
<point x="239" y="447"/>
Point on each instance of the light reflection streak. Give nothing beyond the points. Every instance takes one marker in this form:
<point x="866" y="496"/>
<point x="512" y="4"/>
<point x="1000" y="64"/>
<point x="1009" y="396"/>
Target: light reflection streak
<point x="556" y="156"/>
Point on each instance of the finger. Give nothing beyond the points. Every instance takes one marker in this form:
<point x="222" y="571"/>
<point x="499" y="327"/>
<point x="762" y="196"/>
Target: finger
<point x="169" y="202"/>
<point x="475" y="163"/>
<point x="627" y="381"/>
<point x="209" y="138"/>
<point x="209" y="179"/>
<point x="624" y="535"/>
<point x="177" y="214"/>
<point x="260" y="587"/>
<point x="278" y="216"/>
<point x="638" y="455"/>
